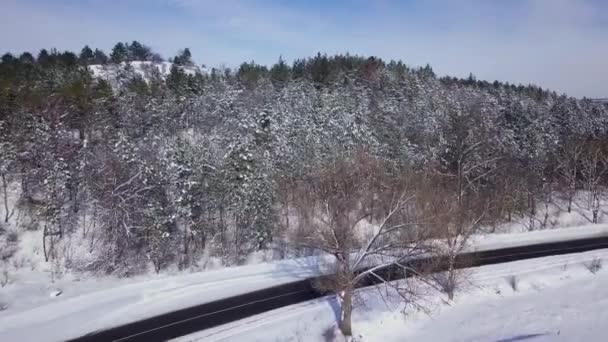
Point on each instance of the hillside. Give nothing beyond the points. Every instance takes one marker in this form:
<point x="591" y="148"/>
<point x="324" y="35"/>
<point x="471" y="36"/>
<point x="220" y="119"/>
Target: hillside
<point x="147" y="70"/>
<point x="128" y="166"/>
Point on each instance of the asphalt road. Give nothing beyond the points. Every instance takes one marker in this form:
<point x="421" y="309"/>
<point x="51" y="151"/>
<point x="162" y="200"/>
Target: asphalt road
<point x="201" y="317"/>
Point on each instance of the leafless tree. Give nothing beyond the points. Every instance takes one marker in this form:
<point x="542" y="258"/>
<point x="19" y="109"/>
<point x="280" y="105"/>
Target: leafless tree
<point x="8" y="156"/>
<point x="8" y="212"/>
<point x="593" y="170"/>
<point x="568" y="168"/>
<point x="452" y="224"/>
<point x="334" y="219"/>
<point x="458" y="201"/>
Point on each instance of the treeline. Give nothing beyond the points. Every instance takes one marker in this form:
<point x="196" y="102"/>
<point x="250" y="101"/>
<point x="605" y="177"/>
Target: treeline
<point x="166" y="169"/>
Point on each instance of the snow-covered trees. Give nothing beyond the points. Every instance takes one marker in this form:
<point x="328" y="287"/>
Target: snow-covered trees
<point x="172" y="164"/>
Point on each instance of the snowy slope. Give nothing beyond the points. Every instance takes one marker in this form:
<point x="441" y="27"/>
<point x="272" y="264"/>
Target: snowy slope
<point x="112" y="72"/>
<point x="556" y="299"/>
<point x="116" y="305"/>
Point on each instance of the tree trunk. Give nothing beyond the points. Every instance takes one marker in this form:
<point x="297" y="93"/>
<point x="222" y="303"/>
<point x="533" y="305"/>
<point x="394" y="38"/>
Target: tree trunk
<point x="595" y="212"/>
<point x="7" y="215"/>
<point x="346" y="310"/>
<point x="222" y="227"/>
<point x="186" y="250"/>
<point x="46" y="255"/>
<point x="451" y="279"/>
<point x="287" y="211"/>
<point x="596" y="207"/>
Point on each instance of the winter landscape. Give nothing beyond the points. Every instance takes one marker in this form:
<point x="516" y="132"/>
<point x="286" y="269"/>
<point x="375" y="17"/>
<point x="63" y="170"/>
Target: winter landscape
<point x="136" y="183"/>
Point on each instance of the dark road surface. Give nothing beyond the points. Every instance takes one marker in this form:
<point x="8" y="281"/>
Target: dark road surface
<point x="200" y="317"/>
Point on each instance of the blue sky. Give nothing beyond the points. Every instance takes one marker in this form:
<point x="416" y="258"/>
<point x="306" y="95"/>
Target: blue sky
<point x="559" y="44"/>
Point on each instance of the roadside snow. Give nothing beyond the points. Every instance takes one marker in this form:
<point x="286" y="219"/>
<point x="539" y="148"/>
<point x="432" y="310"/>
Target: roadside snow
<point x="113" y="302"/>
<point x="497" y="240"/>
<point x="118" y="305"/>
<point x="553" y="299"/>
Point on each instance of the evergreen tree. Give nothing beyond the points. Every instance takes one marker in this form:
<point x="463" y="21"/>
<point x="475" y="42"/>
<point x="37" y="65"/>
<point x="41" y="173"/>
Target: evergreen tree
<point x="86" y="56"/>
<point x="319" y="68"/>
<point x="139" y="52"/>
<point x="299" y="68"/>
<point x="250" y="73"/>
<point x="43" y="57"/>
<point x="156" y="58"/>
<point x="184" y="57"/>
<point x="119" y="53"/>
<point x="280" y="72"/>
<point x="177" y="79"/>
<point x="27" y="58"/>
<point x="99" y="57"/>
<point x="8" y="58"/>
<point x="68" y="59"/>
<point x="427" y="72"/>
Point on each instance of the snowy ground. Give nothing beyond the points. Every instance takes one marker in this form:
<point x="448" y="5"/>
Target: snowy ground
<point x="546" y="299"/>
<point x="77" y="314"/>
<point x="96" y="304"/>
<point x="28" y="296"/>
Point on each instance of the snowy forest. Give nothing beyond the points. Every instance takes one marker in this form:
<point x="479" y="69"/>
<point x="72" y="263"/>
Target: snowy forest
<point x="152" y="168"/>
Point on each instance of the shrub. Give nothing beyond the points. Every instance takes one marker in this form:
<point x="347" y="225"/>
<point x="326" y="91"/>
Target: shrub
<point x="512" y="280"/>
<point x="12" y="236"/>
<point x="594" y="265"/>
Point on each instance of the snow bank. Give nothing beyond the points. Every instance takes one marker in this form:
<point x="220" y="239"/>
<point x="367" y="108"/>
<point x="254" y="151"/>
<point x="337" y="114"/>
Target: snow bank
<point x="488" y="309"/>
<point x="496" y="241"/>
<point x="127" y="303"/>
<point x="119" y="304"/>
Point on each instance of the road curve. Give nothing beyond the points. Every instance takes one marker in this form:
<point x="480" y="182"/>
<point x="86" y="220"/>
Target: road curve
<point x="204" y="316"/>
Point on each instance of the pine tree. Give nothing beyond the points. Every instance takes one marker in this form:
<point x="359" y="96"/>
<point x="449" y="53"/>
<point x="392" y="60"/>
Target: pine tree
<point x="177" y="79"/>
<point x="68" y="59"/>
<point x="119" y="53"/>
<point x="43" y="57"/>
<point x="27" y="58"/>
<point x="280" y="73"/>
<point x="8" y="58"/>
<point x="139" y="52"/>
<point x="99" y="57"/>
<point x="299" y="68"/>
<point x="86" y="56"/>
<point x="184" y="57"/>
<point x="250" y="73"/>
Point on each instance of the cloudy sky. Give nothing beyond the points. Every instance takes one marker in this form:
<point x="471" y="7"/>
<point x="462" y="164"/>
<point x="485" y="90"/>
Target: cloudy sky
<point x="557" y="44"/>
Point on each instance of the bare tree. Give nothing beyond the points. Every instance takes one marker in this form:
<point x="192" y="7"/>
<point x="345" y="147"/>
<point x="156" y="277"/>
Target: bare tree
<point x="334" y="219"/>
<point x="568" y="168"/>
<point x="457" y="203"/>
<point x="453" y="224"/>
<point x="593" y="170"/>
<point x="511" y="190"/>
<point x="8" y="156"/>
